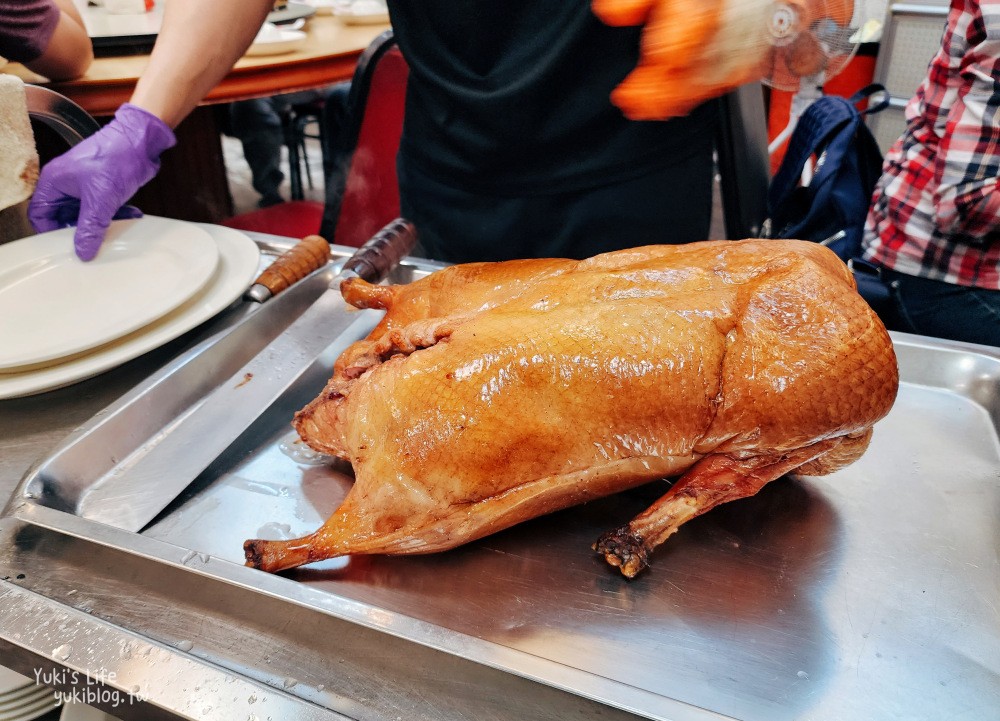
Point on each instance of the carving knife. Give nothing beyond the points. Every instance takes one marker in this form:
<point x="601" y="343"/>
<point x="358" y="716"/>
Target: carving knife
<point x="138" y="487"/>
<point x="309" y="254"/>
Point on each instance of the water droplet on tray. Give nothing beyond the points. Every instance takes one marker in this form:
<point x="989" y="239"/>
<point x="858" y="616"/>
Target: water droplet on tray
<point x="293" y="447"/>
<point x="275" y="532"/>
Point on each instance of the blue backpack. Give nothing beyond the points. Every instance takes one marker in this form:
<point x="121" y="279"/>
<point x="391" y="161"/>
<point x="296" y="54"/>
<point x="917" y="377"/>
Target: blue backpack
<point x="833" y="207"/>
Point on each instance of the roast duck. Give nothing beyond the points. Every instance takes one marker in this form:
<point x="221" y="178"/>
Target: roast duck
<point x="492" y="393"/>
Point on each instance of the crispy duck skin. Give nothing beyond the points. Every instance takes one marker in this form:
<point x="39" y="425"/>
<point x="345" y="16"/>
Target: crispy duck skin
<point x="490" y="394"/>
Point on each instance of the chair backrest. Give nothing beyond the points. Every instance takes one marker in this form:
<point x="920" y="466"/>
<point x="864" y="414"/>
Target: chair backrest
<point x="56" y="121"/>
<point x="66" y="119"/>
<point x="744" y="168"/>
<point x="364" y="196"/>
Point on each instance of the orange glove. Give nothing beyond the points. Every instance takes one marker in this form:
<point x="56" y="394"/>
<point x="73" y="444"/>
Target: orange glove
<point x="693" y="50"/>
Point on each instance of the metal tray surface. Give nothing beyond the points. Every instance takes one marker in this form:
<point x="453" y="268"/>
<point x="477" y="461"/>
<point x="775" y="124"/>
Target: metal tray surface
<point x="818" y="598"/>
<point x="868" y="594"/>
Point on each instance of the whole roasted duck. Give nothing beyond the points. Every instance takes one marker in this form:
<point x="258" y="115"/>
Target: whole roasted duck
<point x="492" y="393"/>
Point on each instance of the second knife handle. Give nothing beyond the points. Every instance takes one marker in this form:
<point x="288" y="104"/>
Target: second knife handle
<point x="376" y="258"/>
<point x="293" y="265"/>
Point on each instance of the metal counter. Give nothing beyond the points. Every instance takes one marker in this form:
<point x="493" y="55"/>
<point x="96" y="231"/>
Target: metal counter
<point x="869" y="594"/>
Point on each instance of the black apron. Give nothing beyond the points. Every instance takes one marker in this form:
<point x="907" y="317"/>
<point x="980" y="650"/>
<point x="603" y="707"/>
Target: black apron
<point x="512" y="148"/>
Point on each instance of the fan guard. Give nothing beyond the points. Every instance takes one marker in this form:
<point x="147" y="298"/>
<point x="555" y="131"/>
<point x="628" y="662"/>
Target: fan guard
<point x="810" y="39"/>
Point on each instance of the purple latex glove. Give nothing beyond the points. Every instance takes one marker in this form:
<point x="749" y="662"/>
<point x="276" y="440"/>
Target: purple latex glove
<point x="88" y="185"/>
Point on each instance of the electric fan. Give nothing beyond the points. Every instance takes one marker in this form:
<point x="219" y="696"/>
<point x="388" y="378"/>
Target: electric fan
<point x="694" y="50"/>
<point x="810" y="42"/>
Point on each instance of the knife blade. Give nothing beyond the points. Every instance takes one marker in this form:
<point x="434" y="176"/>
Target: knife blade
<point x="134" y="491"/>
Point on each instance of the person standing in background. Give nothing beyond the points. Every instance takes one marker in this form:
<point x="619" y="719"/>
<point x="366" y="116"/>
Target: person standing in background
<point x="47" y="36"/>
<point x="258" y="125"/>
<point x="934" y="224"/>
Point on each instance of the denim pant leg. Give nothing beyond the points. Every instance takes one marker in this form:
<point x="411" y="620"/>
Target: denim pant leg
<point x="945" y="310"/>
<point x="257" y="124"/>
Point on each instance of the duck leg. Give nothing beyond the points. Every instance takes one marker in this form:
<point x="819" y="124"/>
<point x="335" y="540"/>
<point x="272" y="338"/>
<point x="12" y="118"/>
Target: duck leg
<point x="713" y="480"/>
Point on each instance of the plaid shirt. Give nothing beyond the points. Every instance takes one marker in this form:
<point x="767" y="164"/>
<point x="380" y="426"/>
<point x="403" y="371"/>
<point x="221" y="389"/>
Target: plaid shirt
<point x="936" y="209"/>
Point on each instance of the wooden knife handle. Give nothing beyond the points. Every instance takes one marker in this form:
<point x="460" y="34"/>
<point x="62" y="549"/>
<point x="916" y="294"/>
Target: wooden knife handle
<point x="293" y="265"/>
<point x="375" y="259"/>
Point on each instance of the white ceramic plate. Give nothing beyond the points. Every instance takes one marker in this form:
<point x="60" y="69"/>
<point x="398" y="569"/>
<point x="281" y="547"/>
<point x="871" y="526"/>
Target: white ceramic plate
<point x="284" y="42"/>
<point x="53" y="305"/>
<point x="239" y="257"/>
<point x="323" y="7"/>
<point x="353" y="16"/>
<point x="20" y="697"/>
<point x="11" y="680"/>
<point x="31" y="697"/>
<point x="80" y="712"/>
<point x="39" y="703"/>
<point x="292" y="12"/>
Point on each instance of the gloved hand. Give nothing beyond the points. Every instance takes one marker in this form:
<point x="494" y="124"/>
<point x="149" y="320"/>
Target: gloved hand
<point x="88" y="185"/>
<point x="691" y="50"/>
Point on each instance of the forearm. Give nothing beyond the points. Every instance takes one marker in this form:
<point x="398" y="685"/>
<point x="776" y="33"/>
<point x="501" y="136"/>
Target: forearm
<point x="197" y="46"/>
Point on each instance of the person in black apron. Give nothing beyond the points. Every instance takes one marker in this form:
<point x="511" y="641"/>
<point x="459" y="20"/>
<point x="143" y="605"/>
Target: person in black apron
<point x="511" y="146"/>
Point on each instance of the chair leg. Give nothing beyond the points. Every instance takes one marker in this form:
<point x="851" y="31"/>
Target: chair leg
<point x="744" y="165"/>
<point x="305" y="161"/>
<point x="288" y="127"/>
<point x="301" y="123"/>
<point x="295" y="170"/>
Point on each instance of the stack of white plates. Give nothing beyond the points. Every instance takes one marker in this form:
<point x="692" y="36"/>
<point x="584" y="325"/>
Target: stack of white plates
<point x="63" y="320"/>
<point x="21" y="699"/>
<point x="275" y="40"/>
<point x="81" y="712"/>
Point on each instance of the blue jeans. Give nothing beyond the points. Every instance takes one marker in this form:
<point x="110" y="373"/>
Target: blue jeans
<point x="944" y="310"/>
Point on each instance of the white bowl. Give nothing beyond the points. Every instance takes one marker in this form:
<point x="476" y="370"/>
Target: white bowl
<point x="324" y="7"/>
<point x="284" y="42"/>
<point x="362" y="12"/>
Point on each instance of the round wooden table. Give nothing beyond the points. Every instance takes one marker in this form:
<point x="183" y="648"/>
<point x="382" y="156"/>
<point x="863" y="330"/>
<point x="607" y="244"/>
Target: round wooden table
<point x="192" y="184"/>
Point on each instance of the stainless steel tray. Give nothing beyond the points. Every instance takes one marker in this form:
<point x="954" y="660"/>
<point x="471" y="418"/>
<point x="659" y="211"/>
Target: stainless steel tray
<point x="870" y="594"/>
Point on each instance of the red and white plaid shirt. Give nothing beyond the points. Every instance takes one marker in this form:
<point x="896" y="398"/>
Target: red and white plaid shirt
<point x="936" y="210"/>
